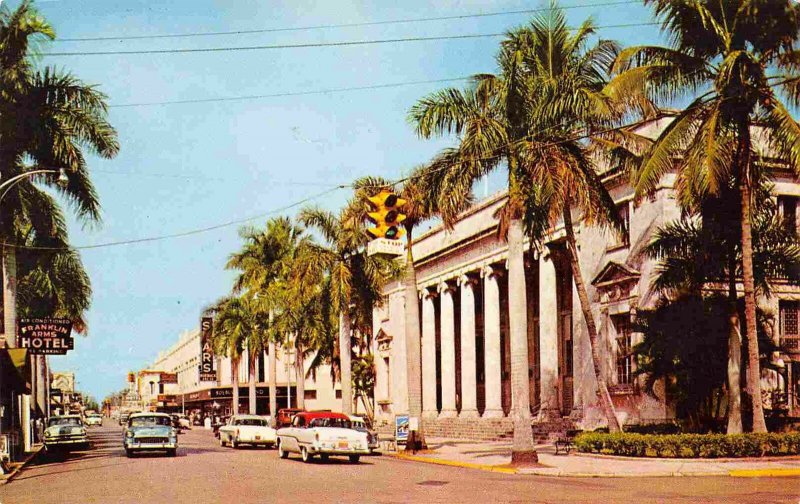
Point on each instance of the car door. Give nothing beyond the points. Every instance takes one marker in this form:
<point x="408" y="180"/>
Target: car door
<point x="296" y="431"/>
<point x="227" y="430"/>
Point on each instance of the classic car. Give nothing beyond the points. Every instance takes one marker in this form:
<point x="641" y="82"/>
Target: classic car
<point x="150" y="431"/>
<point x="360" y="425"/>
<point x="285" y="416"/>
<point x="65" y="432"/>
<point x="94" y="419"/>
<point x="323" y="434"/>
<point x="247" y="429"/>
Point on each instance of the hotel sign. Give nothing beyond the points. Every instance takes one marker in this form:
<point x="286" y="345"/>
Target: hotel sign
<point x="45" y="336"/>
<point x="206" y="367"/>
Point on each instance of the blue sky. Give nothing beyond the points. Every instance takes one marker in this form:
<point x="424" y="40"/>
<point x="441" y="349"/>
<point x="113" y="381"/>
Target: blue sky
<point x="188" y="166"/>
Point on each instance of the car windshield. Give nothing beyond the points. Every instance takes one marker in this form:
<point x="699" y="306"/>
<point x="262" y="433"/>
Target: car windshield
<point x="258" y="422"/>
<point x="64" y="421"/>
<point x="150" y="421"/>
<point x="330" y="422"/>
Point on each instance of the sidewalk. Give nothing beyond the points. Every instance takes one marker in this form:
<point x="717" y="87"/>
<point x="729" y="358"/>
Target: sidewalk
<point x="496" y="456"/>
<point x="17" y="466"/>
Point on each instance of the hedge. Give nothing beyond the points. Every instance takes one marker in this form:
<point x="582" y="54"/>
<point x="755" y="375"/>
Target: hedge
<point x="690" y="445"/>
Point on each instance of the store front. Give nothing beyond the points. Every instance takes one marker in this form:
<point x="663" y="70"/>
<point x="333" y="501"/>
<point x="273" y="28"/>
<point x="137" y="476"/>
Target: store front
<point x="217" y="401"/>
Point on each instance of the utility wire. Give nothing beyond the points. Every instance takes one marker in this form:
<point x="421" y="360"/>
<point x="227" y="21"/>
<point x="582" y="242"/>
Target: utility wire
<point x="582" y="136"/>
<point x="185" y="233"/>
<point x="290" y="93"/>
<point x="343" y="25"/>
<point x="346" y="43"/>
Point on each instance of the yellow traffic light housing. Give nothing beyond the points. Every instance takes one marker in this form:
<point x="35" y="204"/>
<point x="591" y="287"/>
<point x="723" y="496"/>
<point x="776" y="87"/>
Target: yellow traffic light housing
<point x="385" y="215"/>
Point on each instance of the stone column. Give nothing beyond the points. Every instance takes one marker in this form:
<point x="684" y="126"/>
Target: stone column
<point x="448" y="335"/>
<point x="428" y="355"/>
<point x="491" y="338"/>
<point x="548" y="337"/>
<point x="469" y="398"/>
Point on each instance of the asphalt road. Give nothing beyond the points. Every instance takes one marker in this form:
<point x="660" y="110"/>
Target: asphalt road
<point x="205" y="473"/>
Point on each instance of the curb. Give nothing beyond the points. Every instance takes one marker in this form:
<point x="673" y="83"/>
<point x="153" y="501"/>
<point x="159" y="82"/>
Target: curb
<point x="453" y="463"/>
<point x="7" y="478"/>
<point x="764" y="473"/>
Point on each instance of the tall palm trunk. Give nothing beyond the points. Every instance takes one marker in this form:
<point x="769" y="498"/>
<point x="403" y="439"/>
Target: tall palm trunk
<point x="251" y="393"/>
<point x="734" y="354"/>
<point x="235" y="385"/>
<point x="591" y="328"/>
<point x="416" y="439"/>
<point x="10" y="296"/>
<point x="300" y="373"/>
<point x="753" y="366"/>
<point x="345" y="368"/>
<point x="523" y="449"/>
<point x="273" y="381"/>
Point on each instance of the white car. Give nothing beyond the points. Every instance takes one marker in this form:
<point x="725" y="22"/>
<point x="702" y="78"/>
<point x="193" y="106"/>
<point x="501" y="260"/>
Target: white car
<point x="247" y="429"/>
<point x="323" y="434"/>
<point x="94" y="419"/>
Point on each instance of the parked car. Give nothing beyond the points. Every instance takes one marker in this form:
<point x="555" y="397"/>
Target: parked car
<point x="360" y="425"/>
<point x="285" y="416"/>
<point x="123" y="417"/>
<point x="94" y="419"/>
<point x="65" y="432"/>
<point x="150" y="431"/>
<point x="247" y="429"/>
<point x="323" y="434"/>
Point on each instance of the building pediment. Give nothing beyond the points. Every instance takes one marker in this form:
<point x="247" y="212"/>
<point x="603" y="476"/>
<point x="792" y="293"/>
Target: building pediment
<point x="384" y="340"/>
<point x="615" y="273"/>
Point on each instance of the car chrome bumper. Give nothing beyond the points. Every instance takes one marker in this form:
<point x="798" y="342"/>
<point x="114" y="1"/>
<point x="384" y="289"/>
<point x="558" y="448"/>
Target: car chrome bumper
<point x="54" y="443"/>
<point x="150" y="446"/>
<point x="338" y="451"/>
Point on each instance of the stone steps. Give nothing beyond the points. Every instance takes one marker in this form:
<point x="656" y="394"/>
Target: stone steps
<point x="486" y="429"/>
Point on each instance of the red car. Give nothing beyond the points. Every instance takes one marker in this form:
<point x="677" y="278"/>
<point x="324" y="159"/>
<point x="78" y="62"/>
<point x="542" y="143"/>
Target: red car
<point x="286" y="415"/>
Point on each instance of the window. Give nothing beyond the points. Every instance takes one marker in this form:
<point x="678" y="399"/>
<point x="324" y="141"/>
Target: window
<point x="622" y="324"/>
<point x="787" y="207"/>
<point x="338" y="394"/>
<point x="790" y="332"/>
<point x="310" y="395"/>
<point x="623" y="239"/>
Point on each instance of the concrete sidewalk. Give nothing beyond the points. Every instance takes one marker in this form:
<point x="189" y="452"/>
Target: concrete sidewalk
<point x="496" y="456"/>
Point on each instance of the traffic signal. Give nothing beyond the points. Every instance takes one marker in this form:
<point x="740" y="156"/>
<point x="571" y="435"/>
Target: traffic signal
<point x="385" y="215"/>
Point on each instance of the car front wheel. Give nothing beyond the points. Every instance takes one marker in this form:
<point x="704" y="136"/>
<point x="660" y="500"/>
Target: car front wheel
<point x="307" y="457"/>
<point x="281" y="452"/>
<point x="234" y="443"/>
<point x="172" y="452"/>
<point x="128" y="452"/>
<point x="221" y="441"/>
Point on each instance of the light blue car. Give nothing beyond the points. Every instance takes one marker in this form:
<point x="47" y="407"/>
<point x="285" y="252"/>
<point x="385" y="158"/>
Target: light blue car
<point x="150" y="431"/>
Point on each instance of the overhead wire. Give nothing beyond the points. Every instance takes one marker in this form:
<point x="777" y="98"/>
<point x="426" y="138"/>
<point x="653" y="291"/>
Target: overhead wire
<point x="291" y="93"/>
<point x="393" y="183"/>
<point x="308" y="45"/>
<point x="343" y="25"/>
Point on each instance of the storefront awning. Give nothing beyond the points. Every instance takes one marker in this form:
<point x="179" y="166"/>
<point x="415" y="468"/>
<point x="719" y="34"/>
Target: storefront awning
<point x="16" y="367"/>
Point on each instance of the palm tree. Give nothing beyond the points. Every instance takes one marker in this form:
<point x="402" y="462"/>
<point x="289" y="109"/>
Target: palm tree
<point x="49" y="119"/>
<point x="694" y="253"/>
<point x="237" y="324"/>
<point x="356" y="279"/>
<point x="421" y="191"/>
<point x="549" y="85"/>
<point x="737" y="60"/>
<point x="265" y="263"/>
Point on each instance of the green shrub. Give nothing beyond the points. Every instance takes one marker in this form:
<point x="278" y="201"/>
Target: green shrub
<point x="690" y="445"/>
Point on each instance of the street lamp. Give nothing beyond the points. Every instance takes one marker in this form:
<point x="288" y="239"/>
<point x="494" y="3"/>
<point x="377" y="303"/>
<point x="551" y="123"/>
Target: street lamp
<point x="62" y="180"/>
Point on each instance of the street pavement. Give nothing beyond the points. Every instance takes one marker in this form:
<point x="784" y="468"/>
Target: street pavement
<point x="203" y="472"/>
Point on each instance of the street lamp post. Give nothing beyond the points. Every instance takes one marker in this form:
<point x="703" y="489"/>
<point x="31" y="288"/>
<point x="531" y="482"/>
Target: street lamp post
<point x="10" y="308"/>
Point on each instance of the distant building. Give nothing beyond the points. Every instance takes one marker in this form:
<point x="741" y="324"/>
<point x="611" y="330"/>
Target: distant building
<point x="191" y="395"/>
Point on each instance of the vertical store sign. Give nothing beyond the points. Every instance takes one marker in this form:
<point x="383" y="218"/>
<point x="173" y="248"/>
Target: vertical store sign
<point x="206" y="367"/>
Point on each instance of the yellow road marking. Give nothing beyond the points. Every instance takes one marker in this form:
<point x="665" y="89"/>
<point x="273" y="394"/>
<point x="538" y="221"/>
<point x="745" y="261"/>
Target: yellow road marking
<point x="764" y="473"/>
<point x="453" y="463"/>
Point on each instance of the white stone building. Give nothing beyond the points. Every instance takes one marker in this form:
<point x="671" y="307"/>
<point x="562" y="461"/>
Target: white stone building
<point x="462" y="284"/>
<point x="183" y="359"/>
